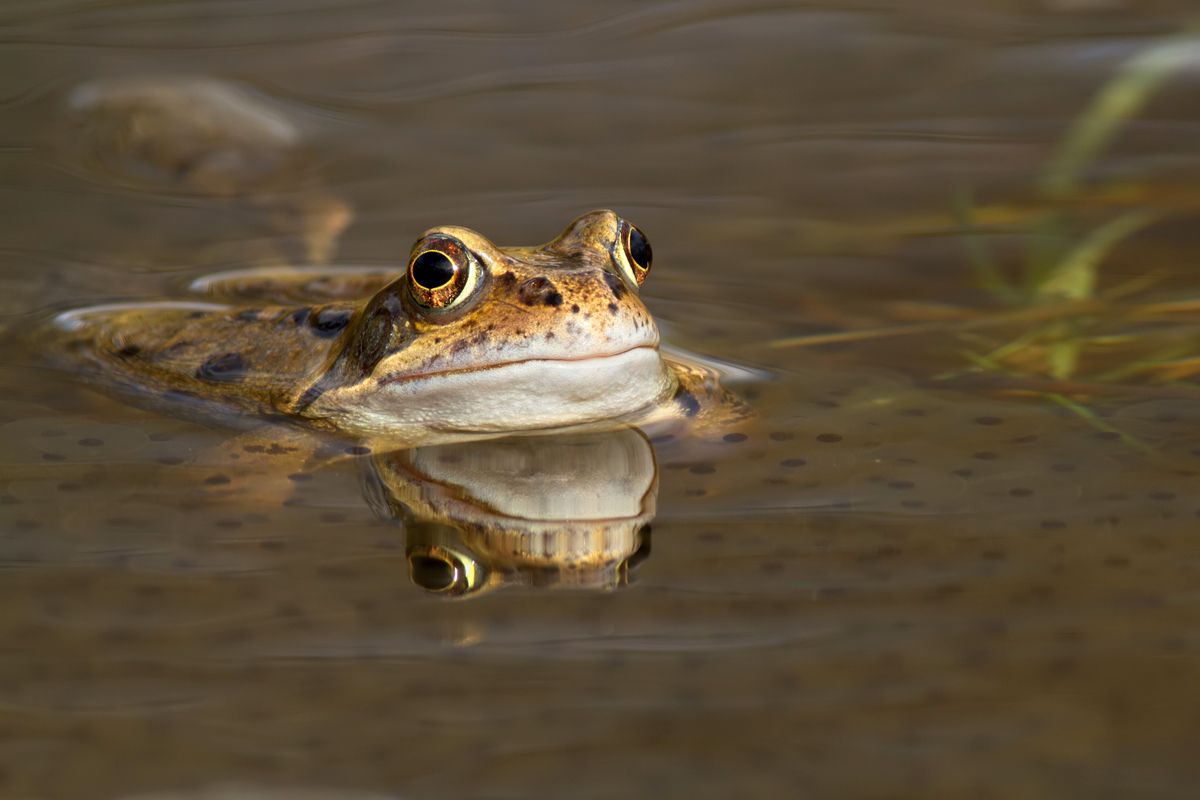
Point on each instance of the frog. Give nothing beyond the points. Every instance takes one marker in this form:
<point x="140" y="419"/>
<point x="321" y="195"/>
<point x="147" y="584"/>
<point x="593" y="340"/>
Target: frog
<point x="470" y="341"/>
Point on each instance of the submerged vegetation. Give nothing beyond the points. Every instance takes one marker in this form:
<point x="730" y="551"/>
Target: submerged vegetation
<point x="1053" y="329"/>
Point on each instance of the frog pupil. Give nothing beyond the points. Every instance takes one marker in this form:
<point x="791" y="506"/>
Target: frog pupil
<point x="433" y="574"/>
<point x="433" y="269"/>
<point x="639" y="248"/>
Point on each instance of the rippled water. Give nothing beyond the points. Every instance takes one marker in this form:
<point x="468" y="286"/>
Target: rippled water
<point x="889" y="586"/>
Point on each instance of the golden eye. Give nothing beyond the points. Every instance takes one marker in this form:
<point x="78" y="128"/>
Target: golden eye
<point x="635" y="251"/>
<point x="441" y="272"/>
<point x="444" y="572"/>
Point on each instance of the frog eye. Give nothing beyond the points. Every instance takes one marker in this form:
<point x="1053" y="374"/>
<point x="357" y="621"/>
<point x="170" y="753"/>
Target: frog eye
<point x="441" y="273"/>
<point x="636" y="254"/>
<point x="445" y="572"/>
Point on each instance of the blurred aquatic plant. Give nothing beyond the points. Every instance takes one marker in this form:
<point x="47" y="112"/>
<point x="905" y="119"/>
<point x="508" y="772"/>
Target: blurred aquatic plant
<point x="1072" y="339"/>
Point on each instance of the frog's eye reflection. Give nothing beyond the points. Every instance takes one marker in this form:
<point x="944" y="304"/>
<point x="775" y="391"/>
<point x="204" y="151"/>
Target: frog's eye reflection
<point x="439" y="570"/>
<point x="635" y="251"/>
<point x="432" y="573"/>
<point x="441" y="273"/>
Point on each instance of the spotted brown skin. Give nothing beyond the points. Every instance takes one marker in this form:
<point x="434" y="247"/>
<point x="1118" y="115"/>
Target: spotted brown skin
<point x="550" y="316"/>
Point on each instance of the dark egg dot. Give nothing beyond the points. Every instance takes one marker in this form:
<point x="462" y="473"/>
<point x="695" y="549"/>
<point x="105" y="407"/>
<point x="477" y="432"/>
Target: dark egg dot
<point x="829" y="437"/>
<point x="793" y="462"/>
<point x="735" y="437"/>
<point x="91" y="442"/>
<point x="988" y="421"/>
<point x="702" y="469"/>
<point x="433" y="269"/>
<point x="217" y="480"/>
<point x="639" y="249"/>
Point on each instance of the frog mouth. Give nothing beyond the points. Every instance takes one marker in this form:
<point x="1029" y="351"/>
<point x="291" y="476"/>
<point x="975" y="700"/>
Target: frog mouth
<point x="433" y="375"/>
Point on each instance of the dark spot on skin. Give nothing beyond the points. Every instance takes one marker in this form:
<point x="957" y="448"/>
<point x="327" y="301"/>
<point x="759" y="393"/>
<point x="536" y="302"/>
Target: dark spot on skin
<point x="299" y="316"/>
<point x="612" y="308"/>
<point x="226" y="368"/>
<point x="217" y="480"/>
<point x="254" y="448"/>
<point x="507" y="279"/>
<point x="176" y="349"/>
<point x="327" y="322"/>
<point x="735" y="437"/>
<point x="358" y="450"/>
<point x="829" y="438"/>
<point x="615" y="285"/>
<point x="549" y="335"/>
<point x="553" y="299"/>
<point x="687" y="402"/>
<point x="575" y="309"/>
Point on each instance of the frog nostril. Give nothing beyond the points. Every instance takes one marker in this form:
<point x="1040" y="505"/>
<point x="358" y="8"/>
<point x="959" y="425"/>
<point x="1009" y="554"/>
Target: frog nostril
<point x="539" y="290"/>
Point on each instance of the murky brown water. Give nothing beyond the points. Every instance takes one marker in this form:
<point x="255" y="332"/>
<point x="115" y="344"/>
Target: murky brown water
<point x="892" y="587"/>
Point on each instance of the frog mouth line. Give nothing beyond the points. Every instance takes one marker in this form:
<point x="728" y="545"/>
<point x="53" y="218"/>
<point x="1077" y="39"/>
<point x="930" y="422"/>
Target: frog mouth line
<point x="465" y="370"/>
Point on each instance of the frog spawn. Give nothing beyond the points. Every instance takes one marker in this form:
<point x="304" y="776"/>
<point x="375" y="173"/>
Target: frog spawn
<point x="895" y="450"/>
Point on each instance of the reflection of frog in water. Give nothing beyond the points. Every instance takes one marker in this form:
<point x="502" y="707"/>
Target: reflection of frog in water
<point x="471" y="340"/>
<point x="546" y="511"/>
